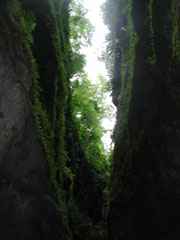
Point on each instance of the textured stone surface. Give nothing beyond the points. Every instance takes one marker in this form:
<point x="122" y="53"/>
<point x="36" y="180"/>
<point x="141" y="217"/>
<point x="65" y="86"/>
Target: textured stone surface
<point x="146" y="170"/>
<point x="27" y="211"/>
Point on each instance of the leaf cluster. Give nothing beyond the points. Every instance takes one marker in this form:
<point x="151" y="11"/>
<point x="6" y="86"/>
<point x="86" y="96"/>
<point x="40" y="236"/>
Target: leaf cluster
<point x="88" y="111"/>
<point x="81" y="31"/>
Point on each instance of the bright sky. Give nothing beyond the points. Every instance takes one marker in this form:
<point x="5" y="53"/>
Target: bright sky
<point x="94" y="66"/>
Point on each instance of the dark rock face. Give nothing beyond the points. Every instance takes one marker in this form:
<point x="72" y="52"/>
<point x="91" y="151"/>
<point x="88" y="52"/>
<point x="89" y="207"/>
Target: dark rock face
<point x="21" y="157"/>
<point x="38" y="187"/>
<point x="88" y="184"/>
<point x="27" y="208"/>
<point x="29" y="216"/>
<point x="146" y="174"/>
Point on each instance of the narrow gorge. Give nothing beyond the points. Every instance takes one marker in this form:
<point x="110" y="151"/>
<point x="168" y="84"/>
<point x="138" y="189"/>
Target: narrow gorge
<point x="57" y="180"/>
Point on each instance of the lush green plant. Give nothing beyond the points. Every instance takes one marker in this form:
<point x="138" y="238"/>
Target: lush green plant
<point x="88" y="111"/>
<point x="87" y="98"/>
<point x="80" y="34"/>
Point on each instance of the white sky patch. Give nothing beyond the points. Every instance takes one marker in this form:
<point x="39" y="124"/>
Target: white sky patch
<point x="95" y="67"/>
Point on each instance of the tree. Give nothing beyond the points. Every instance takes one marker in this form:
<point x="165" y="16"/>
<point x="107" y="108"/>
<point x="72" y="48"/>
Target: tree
<point x="88" y="111"/>
<point x="80" y="34"/>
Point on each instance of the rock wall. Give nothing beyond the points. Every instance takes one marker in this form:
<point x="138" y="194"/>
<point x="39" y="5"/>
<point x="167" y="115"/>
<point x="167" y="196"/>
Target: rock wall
<point x="146" y="175"/>
<point x="47" y="188"/>
<point x="27" y="208"/>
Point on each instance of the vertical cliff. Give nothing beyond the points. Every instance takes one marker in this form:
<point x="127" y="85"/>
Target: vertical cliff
<point x="33" y="95"/>
<point x="146" y="175"/>
<point x="48" y="189"/>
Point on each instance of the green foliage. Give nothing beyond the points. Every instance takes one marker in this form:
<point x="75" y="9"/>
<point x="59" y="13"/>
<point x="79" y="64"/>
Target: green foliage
<point x="87" y="99"/>
<point x="80" y="34"/>
<point x="88" y="111"/>
<point x="30" y="25"/>
<point x="81" y="28"/>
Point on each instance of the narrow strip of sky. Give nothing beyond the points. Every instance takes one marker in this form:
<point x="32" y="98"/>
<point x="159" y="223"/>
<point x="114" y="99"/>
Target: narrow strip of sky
<point x="94" y="66"/>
